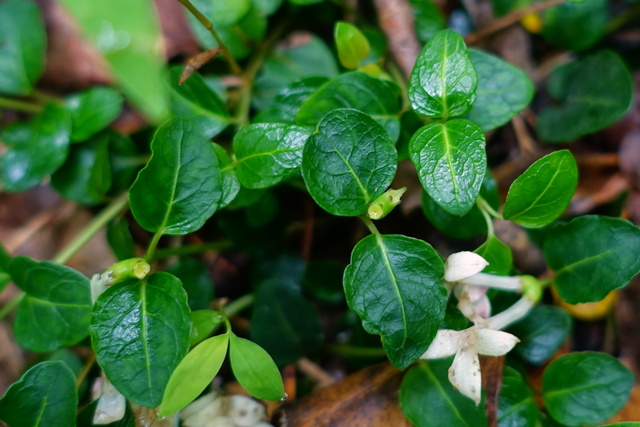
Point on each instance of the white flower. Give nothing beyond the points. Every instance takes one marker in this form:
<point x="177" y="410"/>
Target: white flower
<point x="464" y="372"/>
<point x="462" y="265"/>
<point x="111" y="404"/>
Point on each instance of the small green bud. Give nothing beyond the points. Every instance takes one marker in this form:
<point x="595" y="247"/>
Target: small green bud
<point x="132" y="268"/>
<point x="384" y="204"/>
<point x="531" y="288"/>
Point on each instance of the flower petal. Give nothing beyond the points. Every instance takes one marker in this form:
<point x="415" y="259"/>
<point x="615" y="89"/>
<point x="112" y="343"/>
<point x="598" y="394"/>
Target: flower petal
<point x="464" y="373"/>
<point x="462" y="265"/>
<point x="494" y="343"/>
<point x="445" y="344"/>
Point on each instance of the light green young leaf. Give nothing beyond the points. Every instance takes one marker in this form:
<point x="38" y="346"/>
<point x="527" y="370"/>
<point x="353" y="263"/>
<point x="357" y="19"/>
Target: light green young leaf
<point x="538" y="196"/>
<point x="516" y="404"/>
<point x="591" y="256"/>
<point x="45" y="396"/>
<point x="268" y="153"/>
<point x="378" y="98"/>
<point x="503" y="91"/>
<point x="181" y="186"/>
<point x="353" y="47"/>
<point x="23" y="46"/>
<point x="203" y="323"/>
<point x="195" y="99"/>
<point x="443" y="81"/>
<point x="598" y="91"/>
<point x="393" y="284"/>
<point x="92" y="110"/>
<point x="255" y="370"/>
<point x="348" y="162"/>
<point x="428" y="382"/>
<point x="194" y="373"/>
<point x="37" y="148"/>
<point x="128" y="34"/>
<point x="451" y="163"/>
<point x="56" y="309"/>
<point x="585" y="388"/>
<point x="140" y="332"/>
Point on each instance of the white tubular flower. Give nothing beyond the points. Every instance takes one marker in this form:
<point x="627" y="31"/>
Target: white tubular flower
<point x="111" y="406"/>
<point x="464" y="372"/>
<point x="462" y="265"/>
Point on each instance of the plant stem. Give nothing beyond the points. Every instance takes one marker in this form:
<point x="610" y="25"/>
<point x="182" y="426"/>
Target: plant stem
<point x="110" y="212"/>
<point x="349" y="350"/>
<point x="487" y="218"/>
<point x="237" y="306"/>
<point x="235" y="68"/>
<point x="485" y="206"/>
<point x="193" y="249"/>
<point x="370" y="225"/>
<point x="13" y="303"/>
<point x="85" y="371"/>
<point x="152" y="247"/>
<point x="25" y="107"/>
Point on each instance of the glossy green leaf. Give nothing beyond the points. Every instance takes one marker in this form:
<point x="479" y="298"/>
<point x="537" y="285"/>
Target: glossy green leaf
<point x="37" y="148"/>
<point x="469" y="225"/>
<point x="309" y="56"/>
<point x="576" y="26"/>
<point x="428" y="18"/>
<point x="497" y="254"/>
<point x="353" y="47"/>
<point x="503" y="91"/>
<point x="5" y="260"/>
<point x="538" y="196"/>
<point x="516" y="404"/>
<point x="443" y="81"/>
<point x="196" y="281"/>
<point x="203" y="323"/>
<point x="230" y="183"/>
<point x="120" y="239"/>
<point x="125" y="161"/>
<point x="268" y="153"/>
<point x="23" y="46"/>
<point x="451" y="162"/>
<point x="284" y="322"/>
<point x="393" y="284"/>
<point x="194" y="373"/>
<point x="598" y="91"/>
<point x="287" y="103"/>
<point x="196" y="100"/>
<point x="541" y="333"/>
<point x="181" y="186"/>
<point x="348" y="162"/>
<point x="140" y="332"/>
<point x="92" y="110"/>
<point x="591" y="256"/>
<point x="85" y="177"/>
<point x="255" y="370"/>
<point x="45" y="396"/>
<point x="128" y="34"/>
<point x="585" y="388"/>
<point x="378" y="98"/>
<point x="56" y="309"/>
<point x="428" y="399"/>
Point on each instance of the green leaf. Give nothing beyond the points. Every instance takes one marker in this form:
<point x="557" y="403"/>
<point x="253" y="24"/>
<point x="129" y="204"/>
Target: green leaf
<point x="284" y="322"/>
<point x="196" y="281"/>
<point x="443" y="81"/>
<point x="353" y="47"/>
<point x="85" y="177"/>
<point x="223" y="13"/>
<point x="140" y="332"/>
<point x="503" y="91"/>
<point x="598" y="92"/>
<point x="92" y="110"/>
<point x="194" y="373"/>
<point x="348" y="162"/>
<point x="120" y="239"/>
<point x="45" y="396"/>
<point x="541" y="333"/>
<point x="203" y="323"/>
<point x="576" y="26"/>
<point x="267" y="7"/>
<point x="378" y="98"/>
<point x="538" y="196"/>
<point x="585" y="388"/>
<point x="268" y="153"/>
<point x="469" y="225"/>
<point x="56" y="309"/>
<point x="309" y="56"/>
<point x="429" y="19"/>
<point x="451" y="163"/>
<point x="287" y="103"/>
<point x="37" y="148"/>
<point x="128" y="34"/>
<point x="230" y="183"/>
<point x="428" y="399"/>
<point x="196" y="100"/>
<point x="5" y="260"/>
<point x="393" y="284"/>
<point x="23" y="46"/>
<point x="516" y="404"/>
<point x="181" y="186"/>
<point x="497" y="254"/>
<point x="125" y="162"/>
<point x="255" y="370"/>
<point x="591" y="256"/>
<point x="323" y="280"/>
